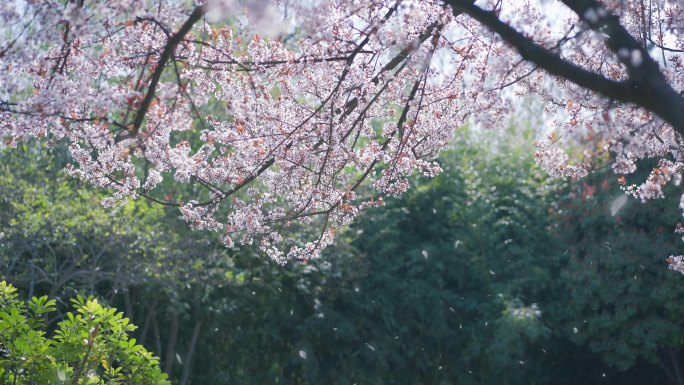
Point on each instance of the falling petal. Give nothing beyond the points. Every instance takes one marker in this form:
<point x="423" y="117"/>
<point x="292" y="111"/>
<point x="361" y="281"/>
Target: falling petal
<point x="617" y="204"/>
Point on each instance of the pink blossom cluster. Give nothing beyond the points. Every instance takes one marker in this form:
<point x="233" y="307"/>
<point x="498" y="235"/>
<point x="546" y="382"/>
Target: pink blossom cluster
<point x="676" y="263"/>
<point x="257" y="132"/>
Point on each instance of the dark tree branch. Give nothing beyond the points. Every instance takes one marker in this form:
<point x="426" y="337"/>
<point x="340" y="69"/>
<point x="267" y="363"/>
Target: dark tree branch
<point x="166" y="55"/>
<point x="646" y="86"/>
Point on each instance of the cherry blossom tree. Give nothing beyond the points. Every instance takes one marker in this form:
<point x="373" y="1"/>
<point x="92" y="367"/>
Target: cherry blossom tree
<point x="297" y="114"/>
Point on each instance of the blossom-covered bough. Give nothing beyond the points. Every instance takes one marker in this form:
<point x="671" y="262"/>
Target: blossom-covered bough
<point x="279" y="113"/>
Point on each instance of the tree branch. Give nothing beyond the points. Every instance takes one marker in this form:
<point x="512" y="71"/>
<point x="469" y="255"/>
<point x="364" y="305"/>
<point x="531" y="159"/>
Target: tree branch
<point x="646" y="87"/>
<point x="166" y="55"/>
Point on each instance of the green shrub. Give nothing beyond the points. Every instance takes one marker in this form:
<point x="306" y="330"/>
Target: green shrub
<point x="90" y="346"/>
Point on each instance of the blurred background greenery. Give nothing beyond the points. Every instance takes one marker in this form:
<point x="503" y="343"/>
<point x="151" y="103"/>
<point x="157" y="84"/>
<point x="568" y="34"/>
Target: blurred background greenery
<point x="491" y="273"/>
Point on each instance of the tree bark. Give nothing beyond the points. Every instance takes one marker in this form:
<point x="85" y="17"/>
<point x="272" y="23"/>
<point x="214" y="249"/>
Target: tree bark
<point x="171" y="343"/>
<point x="187" y="366"/>
<point x="128" y="304"/>
<point x="151" y="313"/>
<point x="676" y="365"/>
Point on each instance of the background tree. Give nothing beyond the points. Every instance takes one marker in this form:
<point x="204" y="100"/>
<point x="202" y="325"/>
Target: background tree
<point x="495" y="296"/>
<point x="58" y="241"/>
<point x="621" y="304"/>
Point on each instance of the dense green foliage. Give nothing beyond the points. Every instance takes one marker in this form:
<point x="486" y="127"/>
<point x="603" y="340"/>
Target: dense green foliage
<point x="490" y="273"/>
<point x="91" y="346"/>
<point x="618" y="287"/>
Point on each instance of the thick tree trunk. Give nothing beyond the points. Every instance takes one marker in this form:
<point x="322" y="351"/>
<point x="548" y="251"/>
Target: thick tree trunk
<point x="663" y="358"/>
<point x="151" y="314"/>
<point x="187" y="366"/>
<point x="157" y="337"/>
<point x="128" y="304"/>
<point x="171" y="343"/>
<point x="676" y="365"/>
